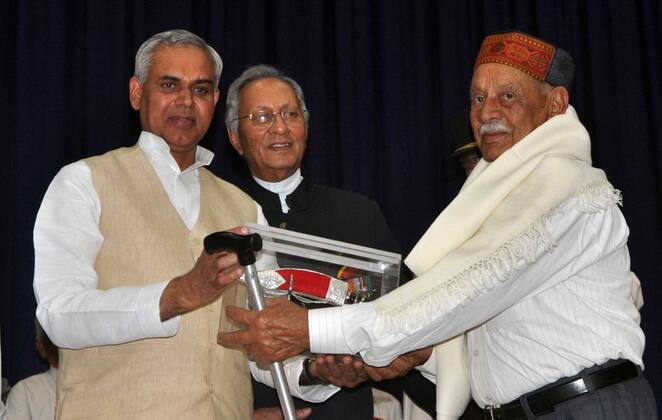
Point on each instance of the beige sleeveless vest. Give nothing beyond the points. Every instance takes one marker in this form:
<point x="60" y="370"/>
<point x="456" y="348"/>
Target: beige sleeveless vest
<point x="187" y="376"/>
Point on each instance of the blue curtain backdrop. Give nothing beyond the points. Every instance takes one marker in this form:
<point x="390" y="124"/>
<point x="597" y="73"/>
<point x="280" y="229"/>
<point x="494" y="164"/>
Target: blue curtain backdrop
<point x="382" y="79"/>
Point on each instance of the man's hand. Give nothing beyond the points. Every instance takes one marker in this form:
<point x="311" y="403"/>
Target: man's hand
<point x="275" y="413"/>
<point x="210" y="275"/>
<point x="400" y="366"/>
<point x="274" y="334"/>
<point x="339" y="370"/>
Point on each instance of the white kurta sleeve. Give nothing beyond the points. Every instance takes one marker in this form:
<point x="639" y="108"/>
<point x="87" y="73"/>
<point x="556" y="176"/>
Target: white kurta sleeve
<point x="581" y="239"/>
<point x="293" y="368"/>
<point x="71" y="309"/>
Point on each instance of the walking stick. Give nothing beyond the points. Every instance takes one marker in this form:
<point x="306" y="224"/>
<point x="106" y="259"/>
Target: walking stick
<point x="245" y="247"/>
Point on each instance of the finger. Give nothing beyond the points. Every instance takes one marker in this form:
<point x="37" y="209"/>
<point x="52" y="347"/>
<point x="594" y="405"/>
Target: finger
<point x="277" y="301"/>
<point x="400" y="366"/>
<point x="320" y="362"/>
<point x="330" y="373"/>
<point x="214" y="255"/>
<point x="373" y="373"/>
<point x="348" y="373"/>
<point x="235" y="339"/>
<point x="224" y="261"/>
<point x="347" y="360"/>
<point x="228" y="275"/>
<point x="302" y="413"/>
<point x="326" y="359"/>
<point x="240" y="230"/>
<point x="240" y="315"/>
<point x="268" y="413"/>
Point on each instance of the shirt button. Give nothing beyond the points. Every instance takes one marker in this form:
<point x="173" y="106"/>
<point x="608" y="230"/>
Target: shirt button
<point x="476" y="353"/>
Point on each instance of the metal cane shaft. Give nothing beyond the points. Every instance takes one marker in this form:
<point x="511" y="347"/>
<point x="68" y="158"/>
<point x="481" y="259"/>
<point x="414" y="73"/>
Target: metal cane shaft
<point x="277" y="371"/>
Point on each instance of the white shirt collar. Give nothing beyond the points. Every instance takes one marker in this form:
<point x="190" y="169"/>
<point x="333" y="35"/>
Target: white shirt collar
<point x="282" y="188"/>
<point x="158" y="151"/>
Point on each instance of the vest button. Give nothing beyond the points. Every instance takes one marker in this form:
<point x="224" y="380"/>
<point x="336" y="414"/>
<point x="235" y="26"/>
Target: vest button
<point x="283" y="225"/>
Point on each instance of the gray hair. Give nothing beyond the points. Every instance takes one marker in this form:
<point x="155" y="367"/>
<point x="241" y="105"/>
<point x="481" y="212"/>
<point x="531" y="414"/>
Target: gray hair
<point x="257" y="72"/>
<point x="175" y="37"/>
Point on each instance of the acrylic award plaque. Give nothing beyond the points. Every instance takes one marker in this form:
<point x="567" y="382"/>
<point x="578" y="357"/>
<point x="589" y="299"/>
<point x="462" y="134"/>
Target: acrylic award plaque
<point x="318" y="272"/>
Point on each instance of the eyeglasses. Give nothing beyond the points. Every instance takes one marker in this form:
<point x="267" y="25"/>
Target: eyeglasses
<point x="264" y="118"/>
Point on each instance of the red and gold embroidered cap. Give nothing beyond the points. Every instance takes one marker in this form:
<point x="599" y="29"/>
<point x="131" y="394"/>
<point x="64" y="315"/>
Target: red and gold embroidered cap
<point x="533" y="56"/>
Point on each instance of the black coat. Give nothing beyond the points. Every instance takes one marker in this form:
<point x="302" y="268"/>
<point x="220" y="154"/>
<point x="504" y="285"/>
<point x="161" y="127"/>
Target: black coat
<point x="339" y="215"/>
<point x="329" y="213"/>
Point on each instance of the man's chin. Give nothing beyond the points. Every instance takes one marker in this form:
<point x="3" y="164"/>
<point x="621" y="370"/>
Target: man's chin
<point x="182" y="142"/>
<point x="490" y="155"/>
<point x="179" y="136"/>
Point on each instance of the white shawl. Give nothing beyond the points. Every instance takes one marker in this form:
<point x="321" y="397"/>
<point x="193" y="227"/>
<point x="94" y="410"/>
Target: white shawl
<point x="492" y="229"/>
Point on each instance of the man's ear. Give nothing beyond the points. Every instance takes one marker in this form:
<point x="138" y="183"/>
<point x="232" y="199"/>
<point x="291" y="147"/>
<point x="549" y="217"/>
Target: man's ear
<point x="558" y="101"/>
<point x="217" y="95"/>
<point x="234" y="140"/>
<point x="135" y="92"/>
<point x="41" y="349"/>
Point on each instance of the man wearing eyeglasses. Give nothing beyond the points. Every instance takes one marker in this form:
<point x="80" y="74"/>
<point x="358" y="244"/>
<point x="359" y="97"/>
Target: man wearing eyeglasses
<point x="267" y="123"/>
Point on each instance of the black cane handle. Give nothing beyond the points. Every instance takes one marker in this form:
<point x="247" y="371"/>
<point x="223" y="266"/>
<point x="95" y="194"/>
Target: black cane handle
<point x="245" y="246"/>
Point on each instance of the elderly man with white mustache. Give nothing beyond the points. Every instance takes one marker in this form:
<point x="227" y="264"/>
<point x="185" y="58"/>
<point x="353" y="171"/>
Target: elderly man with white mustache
<point x="529" y="263"/>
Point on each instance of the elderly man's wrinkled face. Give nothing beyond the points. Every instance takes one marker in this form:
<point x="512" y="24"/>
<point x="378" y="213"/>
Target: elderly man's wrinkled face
<point x="273" y="150"/>
<point x="177" y="100"/>
<point x="506" y="105"/>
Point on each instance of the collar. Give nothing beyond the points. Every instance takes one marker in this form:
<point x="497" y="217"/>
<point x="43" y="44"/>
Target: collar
<point x="286" y="186"/>
<point x="158" y="152"/>
<point x="282" y="188"/>
<point x="298" y="200"/>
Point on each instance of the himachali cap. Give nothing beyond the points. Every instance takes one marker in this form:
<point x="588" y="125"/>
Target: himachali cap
<point x="535" y="57"/>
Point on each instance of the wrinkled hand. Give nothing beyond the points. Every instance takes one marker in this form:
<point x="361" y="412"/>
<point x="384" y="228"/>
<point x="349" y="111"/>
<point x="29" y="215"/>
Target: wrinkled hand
<point x="274" y="334"/>
<point x="210" y="275"/>
<point x="275" y="413"/>
<point x="339" y="370"/>
<point x="400" y="366"/>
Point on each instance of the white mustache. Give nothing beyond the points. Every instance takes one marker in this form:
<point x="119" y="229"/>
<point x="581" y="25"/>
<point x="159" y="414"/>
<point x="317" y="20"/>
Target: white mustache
<point x="493" y="127"/>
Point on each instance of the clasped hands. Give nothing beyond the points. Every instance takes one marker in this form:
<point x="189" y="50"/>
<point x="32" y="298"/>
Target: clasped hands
<point x="350" y="371"/>
<point x="280" y="331"/>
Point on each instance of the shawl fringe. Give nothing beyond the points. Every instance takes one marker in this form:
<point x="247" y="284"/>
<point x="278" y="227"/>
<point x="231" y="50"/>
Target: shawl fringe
<point x="494" y="268"/>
